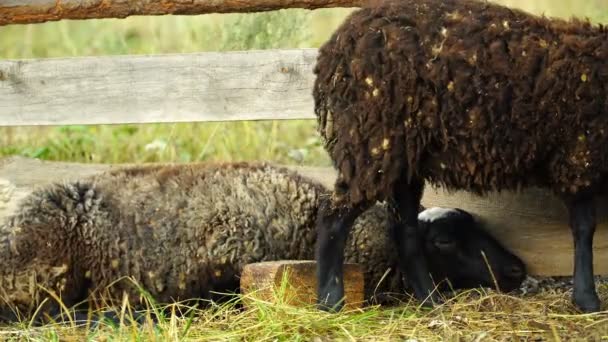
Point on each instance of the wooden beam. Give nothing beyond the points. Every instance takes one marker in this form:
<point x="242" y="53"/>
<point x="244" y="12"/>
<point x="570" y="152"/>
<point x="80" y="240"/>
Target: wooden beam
<point x="38" y="11"/>
<point x="262" y="280"/>
<point x="532" y="224"/>
<point x="249" y="85"/>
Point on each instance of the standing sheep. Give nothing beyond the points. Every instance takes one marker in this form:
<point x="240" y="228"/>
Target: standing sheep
<point x="184" y="232"/>
<point x="464" y="94"/>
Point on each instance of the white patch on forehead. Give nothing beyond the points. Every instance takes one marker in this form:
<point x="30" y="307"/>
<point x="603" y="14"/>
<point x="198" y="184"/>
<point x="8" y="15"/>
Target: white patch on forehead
<point x="434" y="213"/>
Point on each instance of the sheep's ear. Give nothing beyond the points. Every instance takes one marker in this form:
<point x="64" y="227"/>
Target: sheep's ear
<point x="465" y="214"/>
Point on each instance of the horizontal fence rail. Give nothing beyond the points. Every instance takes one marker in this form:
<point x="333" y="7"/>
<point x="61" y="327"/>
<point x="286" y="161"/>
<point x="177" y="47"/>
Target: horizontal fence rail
<point x="38" y="11"/>
<point x="211" y="86"/>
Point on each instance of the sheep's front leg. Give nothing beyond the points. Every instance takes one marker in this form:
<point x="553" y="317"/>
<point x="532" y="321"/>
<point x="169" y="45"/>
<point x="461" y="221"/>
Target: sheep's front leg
<point x="404" y="212"/>
<point x="582" y="223"/>
<point x="333" y="227"/>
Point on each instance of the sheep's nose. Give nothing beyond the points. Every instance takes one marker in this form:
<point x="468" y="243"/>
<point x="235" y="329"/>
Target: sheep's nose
<point x="516" y="271"/>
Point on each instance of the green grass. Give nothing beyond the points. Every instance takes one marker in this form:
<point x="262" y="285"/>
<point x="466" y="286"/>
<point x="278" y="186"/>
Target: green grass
<point x="183" y="142"/>
<point x="471" y="316"/>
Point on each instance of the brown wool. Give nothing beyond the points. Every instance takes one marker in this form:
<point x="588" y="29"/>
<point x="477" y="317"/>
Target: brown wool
<point x="120" y="224"/>
<point x="503" y="95"/>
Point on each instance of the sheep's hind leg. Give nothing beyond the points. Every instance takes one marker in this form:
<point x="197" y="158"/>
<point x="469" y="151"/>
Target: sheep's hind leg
<point x="333" y="226"/>
<point x="582" y="222"/>
<point x="404" y="212"/>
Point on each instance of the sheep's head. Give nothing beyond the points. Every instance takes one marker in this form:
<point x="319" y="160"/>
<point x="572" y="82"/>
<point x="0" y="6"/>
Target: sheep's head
<point x="457" y="249"/>
<point x="34" y="262"/>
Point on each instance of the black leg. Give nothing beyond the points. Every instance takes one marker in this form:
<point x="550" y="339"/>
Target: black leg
<point x="582" y="223"/>
<point x="404" y="212"/>
<point x="333" y="226"/>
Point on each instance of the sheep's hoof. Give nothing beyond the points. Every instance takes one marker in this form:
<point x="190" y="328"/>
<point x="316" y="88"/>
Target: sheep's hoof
<point x="587" y="301"/>
<point x="426" y="299"/>
<point x="331" y="302"/>
<point x="429" y="301"/>
<point x="331" y="299"/>
<point x="324" y="306"/>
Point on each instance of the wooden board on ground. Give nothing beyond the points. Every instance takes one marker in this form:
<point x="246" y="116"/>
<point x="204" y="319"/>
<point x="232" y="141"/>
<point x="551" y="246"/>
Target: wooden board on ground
<point x="533" y="224"/>
<point x="263" y="281"/>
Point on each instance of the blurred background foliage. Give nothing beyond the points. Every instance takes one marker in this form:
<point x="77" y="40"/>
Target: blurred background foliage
<point x="280" y="141"/>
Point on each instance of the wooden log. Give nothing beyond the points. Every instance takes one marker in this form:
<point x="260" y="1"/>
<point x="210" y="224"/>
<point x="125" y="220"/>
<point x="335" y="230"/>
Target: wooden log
<point x="210" y="86"/>
<point x="264" y="279"/>
<point x="38" y="11"/>
<point x="533" y="224"/>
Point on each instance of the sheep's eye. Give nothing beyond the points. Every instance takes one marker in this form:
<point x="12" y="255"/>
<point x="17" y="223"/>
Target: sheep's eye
<point x="445" y="245"/>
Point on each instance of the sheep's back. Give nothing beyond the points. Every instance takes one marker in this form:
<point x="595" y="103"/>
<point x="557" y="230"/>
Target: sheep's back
<point x="466" y="94"/>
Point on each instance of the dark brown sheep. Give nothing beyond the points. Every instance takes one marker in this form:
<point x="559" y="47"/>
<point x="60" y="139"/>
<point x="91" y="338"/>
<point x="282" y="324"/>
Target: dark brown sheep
<point x="182" y="232"/>
<point x="464" y="94"/>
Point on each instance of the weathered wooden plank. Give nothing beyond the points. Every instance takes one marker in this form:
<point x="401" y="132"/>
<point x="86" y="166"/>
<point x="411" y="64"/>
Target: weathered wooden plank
<point x="38" y="11"/>
<point x="249" y="85"/>
<point x="533" y="224"/>
<point x="261" y="280"/>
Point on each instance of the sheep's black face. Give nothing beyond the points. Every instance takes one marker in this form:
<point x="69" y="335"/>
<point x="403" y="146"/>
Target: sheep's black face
<point x="455" y="246"/>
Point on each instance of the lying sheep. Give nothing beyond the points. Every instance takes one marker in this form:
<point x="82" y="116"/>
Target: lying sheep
<point x="453" y="245"/>
<point x="464" y="94"/>
<point x="184" y="232"/>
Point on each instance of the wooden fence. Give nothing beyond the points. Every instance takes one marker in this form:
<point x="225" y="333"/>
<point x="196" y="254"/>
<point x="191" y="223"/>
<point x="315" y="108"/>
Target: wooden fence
<point x="37" y="11"/>
<point x="250" y="85"/>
